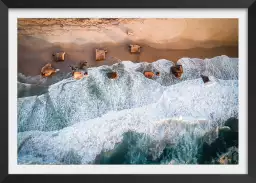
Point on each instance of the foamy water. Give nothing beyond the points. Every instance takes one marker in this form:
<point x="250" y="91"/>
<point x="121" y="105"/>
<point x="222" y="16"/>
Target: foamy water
<point x="74" y="121"/>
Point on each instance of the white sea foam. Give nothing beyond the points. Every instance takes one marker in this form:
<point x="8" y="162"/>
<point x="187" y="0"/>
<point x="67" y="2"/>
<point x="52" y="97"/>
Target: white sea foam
<point x="76" y="120"/>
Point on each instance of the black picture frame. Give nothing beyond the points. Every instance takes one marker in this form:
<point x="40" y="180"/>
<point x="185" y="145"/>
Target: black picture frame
<point x="6" y="4"/>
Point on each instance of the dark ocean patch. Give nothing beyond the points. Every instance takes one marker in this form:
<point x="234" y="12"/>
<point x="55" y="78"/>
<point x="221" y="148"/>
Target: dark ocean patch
<point x="138" y="148"/>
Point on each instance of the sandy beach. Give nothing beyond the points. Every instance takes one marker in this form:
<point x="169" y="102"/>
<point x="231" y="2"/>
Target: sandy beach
<point x="169" y="39"/>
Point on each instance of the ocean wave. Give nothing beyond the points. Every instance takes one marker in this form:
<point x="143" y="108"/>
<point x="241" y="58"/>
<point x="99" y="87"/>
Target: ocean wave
<point x="207" y="106"/>
<point x="69" y="102"/>
<point x="77" y="120"/>
<point x="221" y="67"/>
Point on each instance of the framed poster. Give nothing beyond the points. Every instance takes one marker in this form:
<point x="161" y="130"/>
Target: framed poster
<point x="140" y="90"/>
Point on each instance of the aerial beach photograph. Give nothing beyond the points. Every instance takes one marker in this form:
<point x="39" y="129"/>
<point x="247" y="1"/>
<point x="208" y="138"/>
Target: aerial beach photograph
<point x="122" y="91"/>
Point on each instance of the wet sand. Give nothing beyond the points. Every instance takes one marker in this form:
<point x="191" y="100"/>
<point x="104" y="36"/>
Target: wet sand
<point x="169" y="39"/>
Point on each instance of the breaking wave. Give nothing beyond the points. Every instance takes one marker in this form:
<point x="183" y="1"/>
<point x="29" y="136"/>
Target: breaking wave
<point x="95" y="119"/>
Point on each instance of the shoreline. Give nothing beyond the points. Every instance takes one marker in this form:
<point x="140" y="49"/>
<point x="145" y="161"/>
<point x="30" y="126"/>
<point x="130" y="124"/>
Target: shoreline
<point x="169" y="39"/>
<point x="37" y="58"/>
